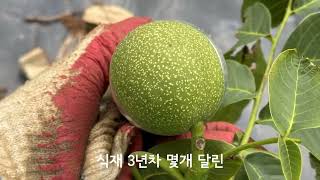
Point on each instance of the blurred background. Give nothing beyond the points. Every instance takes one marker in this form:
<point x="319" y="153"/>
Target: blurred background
<point x="218" y="18"/>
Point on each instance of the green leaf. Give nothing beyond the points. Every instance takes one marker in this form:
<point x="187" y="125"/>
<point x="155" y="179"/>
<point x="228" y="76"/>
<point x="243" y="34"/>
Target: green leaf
<point x="315" y="164"/>
<point x="217" y="147"/>
<point x="230" y="113"/>
<point x="277" y="9"/>
<point x="265" y="117"/>
<point x="237" y="138"/>
<point x="267" y="122"/>
<point x="241" y="174"/>
<point x="161" y="177"/>
<point x="254" y="59"/>
<point x="306" y="6"/>
<point x="258" y="62"/>
<point x="173" y="147"/>
<point x="257" y="24"/>
<point x="265" y="114"/>
<point x="306" y="37"/>
<point x="152" y="169"/>
<point x="230" y="167"/>
<point x="290" y="157"/>
<point x="183" y="147"/>
<point x="310" y="140"/>
<point x="240" y="84"/>
<point x="263" y="166"/>
<point x="294" y="93"/>
<point x="152" y="172"/>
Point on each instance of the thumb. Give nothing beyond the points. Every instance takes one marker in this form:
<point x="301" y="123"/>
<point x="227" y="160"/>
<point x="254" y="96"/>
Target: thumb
<point x="44" y="125"/>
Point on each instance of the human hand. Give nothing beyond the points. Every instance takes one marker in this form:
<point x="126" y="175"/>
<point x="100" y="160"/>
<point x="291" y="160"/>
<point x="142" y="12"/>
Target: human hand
<point x="44" y="125"/>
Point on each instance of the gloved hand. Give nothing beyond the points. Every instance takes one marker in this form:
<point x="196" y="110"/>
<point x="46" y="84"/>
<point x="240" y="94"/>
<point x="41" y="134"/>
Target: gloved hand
<point x="45" y="124"/>
<point x="216" y="130"/>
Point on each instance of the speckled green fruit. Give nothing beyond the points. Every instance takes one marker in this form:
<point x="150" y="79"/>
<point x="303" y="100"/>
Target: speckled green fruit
<point x="166" y="76"/>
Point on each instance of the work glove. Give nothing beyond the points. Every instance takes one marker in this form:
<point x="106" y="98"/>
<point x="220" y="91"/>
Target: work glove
<point x="45" y="124"/>
<point x="52" y="127"/>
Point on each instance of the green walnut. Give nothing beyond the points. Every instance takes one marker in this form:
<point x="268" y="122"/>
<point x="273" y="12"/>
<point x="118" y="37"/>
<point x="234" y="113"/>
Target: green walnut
<point x="165" y="76"/>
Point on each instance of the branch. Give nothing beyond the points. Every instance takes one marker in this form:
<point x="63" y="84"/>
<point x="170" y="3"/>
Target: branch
<point x="253" y="145"/>
<point x="257" y="101"/>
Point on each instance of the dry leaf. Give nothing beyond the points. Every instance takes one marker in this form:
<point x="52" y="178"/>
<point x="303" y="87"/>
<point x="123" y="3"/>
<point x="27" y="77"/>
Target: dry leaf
<point x="72" y="21"/>
<point x="105" y="14"/>
<point x="33" y="62"/>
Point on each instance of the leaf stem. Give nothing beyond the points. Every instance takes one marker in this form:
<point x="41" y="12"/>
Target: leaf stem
<point x="257" y="100"/>
<point x="164" y="164"/>
<point x="197" y="147"/>
<point x="253" y="145"/>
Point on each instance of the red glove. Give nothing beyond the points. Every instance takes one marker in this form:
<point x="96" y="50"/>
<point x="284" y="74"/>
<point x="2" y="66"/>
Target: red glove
<point x="221" y="131"/>
<point x="218" y="130"/>
<point x="79" y="101"/>
<point x="44" y="125"/>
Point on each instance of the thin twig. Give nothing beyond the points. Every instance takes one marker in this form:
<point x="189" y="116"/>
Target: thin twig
<point x="257" y="100"/>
